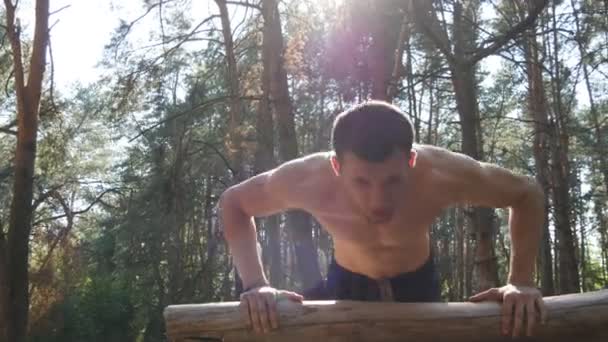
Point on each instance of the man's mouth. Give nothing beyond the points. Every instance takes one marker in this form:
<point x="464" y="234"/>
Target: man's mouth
<point x="379" y="216"/>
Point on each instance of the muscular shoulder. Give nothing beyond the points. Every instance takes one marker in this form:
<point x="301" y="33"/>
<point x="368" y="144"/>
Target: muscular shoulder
<point x="292" y="185"/>
<point x="449" y="171"/>
<point x="444" y="162"/>
<point x="303" y="169"/>
<point x="464" y="180"/>
<point x="299" y="179"/>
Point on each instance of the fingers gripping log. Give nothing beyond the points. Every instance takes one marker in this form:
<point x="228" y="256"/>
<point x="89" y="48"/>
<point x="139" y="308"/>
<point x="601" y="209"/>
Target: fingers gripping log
<point x="575" y="317"/>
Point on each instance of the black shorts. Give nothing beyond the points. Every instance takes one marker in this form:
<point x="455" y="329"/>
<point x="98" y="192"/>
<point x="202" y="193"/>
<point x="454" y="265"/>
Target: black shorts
<point x="421" y="285"/>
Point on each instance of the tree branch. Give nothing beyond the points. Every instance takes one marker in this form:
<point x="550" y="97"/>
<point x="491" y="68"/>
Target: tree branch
<point x="60" y="9"/>
<point x="44" y="195"/>
<point x="8" y="131"/>
<point x="162" y="24"/>
<point x="14" y="37"/>
<point x="497" y="43"/>
<point x="129" y="26"/>
<point x="204" y="105"/>
<point x="425" y="17"/>
<point x="186" y="37"/>
<point x="73" y="214"/>
<point x="64" y="233"/>
<point x="217" y="151"/>
<point x="245" y="3"/>
<point x="8" y="83"/>
<point x="182" y="39"/>
<point x="52" y="78"/>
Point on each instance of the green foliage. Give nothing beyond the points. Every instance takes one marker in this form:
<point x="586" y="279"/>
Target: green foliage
<point x="99" y="310"/>
<point x="594" y="276"/>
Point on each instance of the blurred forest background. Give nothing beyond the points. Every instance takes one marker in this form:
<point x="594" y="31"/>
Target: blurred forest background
<point x="108" y="189"/>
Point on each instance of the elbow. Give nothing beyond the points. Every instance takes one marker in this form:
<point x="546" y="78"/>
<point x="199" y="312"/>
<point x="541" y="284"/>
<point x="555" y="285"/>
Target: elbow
<point x="230" y="213"/>
<point x="534" y="196"/>
<point x="226" y="206"/>
<point x="226" y="200"/>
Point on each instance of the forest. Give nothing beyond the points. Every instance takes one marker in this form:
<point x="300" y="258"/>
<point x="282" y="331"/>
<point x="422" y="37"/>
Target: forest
<point x="109" y="189"/>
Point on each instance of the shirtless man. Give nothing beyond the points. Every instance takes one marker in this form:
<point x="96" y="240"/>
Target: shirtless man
<point x="377" y="194"/>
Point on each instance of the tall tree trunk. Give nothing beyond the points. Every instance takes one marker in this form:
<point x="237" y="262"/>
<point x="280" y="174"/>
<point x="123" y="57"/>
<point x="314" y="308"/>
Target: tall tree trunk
<point x="463" y="79"/>
<point x="599" y="207"/>
<point x="460" y="254"/>
<point x="235" y="109"/>
<point x="385" y="23"/>
<point x="465" y="88"/>
<point x="445" y="249"/>
<point x="600" y="145"/>
<point x="413" y="103"/>
<point x="579" y="213"/>
<point x="429" y="132"/>
<point x="264" y="157"/>
<point x="154" y="330"/>
<point x="20" y="224"/>
<point x="175" y="214"/>
<point x="568" y="273"/>
<point x="379" y="63"/>
<point x="556" y="266"/>
<point x="537" y="106"/>
<point x="299" y="222"/>
<point x="468" y="258"/>
<point x="235" y="106"/>
<point x="595" y="117"/>
<point x="4" y="287"/>
<point x="583" y="256"/>
<point x="379" y="66"/>
<point x="398" y="72"/>
<point x="209" y="256"/>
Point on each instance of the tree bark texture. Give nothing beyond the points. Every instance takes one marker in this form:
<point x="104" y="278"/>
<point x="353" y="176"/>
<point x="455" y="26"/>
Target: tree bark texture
<point x="298" y="222"/>
<point x="28" y="95"/>
<point x="578" y="317"/>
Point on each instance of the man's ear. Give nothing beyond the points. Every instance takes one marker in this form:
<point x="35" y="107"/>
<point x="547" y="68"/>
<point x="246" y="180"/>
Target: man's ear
<point x="413" y="157"/>
<point x="335" y="164"/>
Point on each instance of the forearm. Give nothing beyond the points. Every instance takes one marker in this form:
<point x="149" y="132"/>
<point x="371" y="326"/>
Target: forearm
<point x="240" y="235"/>
<point x="526" y="222"/>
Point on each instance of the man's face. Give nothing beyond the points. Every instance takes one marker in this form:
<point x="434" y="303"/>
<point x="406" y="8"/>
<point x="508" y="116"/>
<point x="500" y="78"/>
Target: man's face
<point x="376" y="189"/>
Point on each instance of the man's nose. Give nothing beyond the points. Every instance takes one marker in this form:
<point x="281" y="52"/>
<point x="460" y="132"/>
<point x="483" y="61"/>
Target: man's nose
<point x="379" y="196"/>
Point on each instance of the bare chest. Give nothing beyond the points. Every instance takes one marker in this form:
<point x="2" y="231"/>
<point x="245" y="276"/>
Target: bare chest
<point x="410" y="222"/>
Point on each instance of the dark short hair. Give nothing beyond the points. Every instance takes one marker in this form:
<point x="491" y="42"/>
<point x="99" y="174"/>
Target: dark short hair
<point x="372" y="130"/>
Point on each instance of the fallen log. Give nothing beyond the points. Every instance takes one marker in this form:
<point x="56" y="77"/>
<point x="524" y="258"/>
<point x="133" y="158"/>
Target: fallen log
<point x="574" y="317"/>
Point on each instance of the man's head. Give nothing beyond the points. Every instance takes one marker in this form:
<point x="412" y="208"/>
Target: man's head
<point x="373" y="152"/>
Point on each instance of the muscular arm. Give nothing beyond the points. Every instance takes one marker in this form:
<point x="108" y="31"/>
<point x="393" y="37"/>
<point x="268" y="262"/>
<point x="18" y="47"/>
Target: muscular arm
<point x="265" y="194"/>
<point x="483" y="184"/>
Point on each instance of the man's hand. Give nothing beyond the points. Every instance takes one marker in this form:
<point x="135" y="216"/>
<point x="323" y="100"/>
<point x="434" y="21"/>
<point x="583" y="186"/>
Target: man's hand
<point x="517" y="302"/>
<point x="259" y="307"/>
